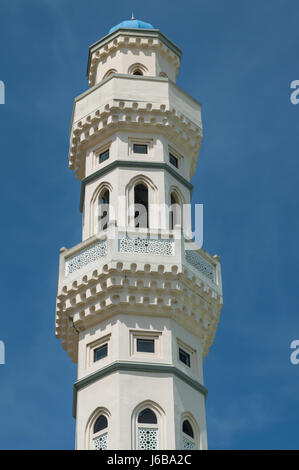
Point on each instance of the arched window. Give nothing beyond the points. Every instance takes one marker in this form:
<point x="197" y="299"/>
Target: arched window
<point x="110" y="72"/>
<point x="188" y="437"/>
<point x="104" y="201"/>
<point x="175" y="213"/>
<point x="100" y="433"/>
<point x="163" y="74"/>
<point x="147" y="430"/>
<point x="137" y="69"/>
<point x="141" y="205"/>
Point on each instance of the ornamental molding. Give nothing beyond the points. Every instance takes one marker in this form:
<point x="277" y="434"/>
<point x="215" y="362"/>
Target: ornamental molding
<point x="121" y="288"/>
<point x="132" y="115"/>
<point x="129" y="366"/>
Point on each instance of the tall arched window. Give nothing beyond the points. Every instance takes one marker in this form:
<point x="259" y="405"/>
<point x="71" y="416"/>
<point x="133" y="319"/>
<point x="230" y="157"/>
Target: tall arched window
<point x="104" y="201"/>
<point x="147" y="430"/>
<point x="175" y="213"/>
<point x="188" y="437"/>
<point x="141" y="205"/>
<point x="100" y="433"/>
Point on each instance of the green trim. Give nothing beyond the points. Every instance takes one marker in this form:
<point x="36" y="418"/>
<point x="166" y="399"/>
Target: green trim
<point x="132" y="164"/>
<point x="134" y="367"/>
<point x="153" y="33"/>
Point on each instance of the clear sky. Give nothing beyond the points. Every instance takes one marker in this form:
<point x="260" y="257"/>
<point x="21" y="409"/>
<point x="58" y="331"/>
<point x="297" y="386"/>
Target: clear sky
<point x="239" y="58"/>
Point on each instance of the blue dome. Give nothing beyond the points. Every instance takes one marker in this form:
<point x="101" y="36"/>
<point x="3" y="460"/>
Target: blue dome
<point x="129" y="24"/>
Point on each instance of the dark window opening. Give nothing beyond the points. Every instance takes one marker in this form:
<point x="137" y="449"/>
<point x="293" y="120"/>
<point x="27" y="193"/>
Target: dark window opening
<point x="141" y="205"/>
<point x="184" y="357"/>
<point x="187" y="428"/>
<point x="146" y="345"/>
<point x="139" y="148"/>
<point x="100" y="352"/>
<point x="173" y="213"/>
<point x="104" y="156"/>
<point x="174" y="160"/>
<point x="137" y="72"/>
<point x="147" y="416"/>
<point x="100" y="424"/>
<point x="104" y="210"/>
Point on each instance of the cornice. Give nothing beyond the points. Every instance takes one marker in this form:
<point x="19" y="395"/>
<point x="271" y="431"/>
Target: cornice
<point x="121" y="288"/>
<point x="126" y="366"/>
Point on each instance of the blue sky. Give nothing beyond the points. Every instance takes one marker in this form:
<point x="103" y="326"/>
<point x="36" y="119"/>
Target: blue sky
<point x="239" y="58"/>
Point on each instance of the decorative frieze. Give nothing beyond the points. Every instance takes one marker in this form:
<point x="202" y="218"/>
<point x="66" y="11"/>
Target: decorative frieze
<point x="147" y="439"/>
<point x="101" y="442"/>
<point x="146" y="246"/>
<point x="87" y="255"/>
<point x="200" y="263"/>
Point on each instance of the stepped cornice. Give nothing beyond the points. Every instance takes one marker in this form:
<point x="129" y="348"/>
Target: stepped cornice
<point x="158" y="117"/>
<point x="175" y="291"/>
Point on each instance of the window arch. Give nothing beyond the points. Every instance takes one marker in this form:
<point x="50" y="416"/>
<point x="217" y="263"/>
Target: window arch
<point x="98" y="430"/>
<point x="100" y="210"/>
<point x="151" y="200"/>
<point x="110" y="72"/>
<point x="141" y="205"/>
<point x="137" y="69"/>
<point x="175" y="213"/>
<point x="163" y="74"/>
<point x="189" y="433"/>
<point x="148" y="430"/>
<point x="104" y="201"/>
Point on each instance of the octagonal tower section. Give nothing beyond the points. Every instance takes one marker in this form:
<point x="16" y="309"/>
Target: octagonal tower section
<point x="138" y="303"/>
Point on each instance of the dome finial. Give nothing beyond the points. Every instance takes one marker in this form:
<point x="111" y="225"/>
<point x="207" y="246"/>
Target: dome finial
<point x="132" y="17"/>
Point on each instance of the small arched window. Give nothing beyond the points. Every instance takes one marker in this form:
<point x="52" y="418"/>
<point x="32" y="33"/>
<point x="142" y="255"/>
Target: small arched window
<point x="147" y="430"/>
<point x="141" y="205"/>
<point x="175" y="213"/>
<point x="100" y="433"/>
<point x="137" y="69"/>
<point x="110" y="72"/>
<point x="104" y="201"/>
<point x="163" y="74"/>
<point x="188" y="439"/>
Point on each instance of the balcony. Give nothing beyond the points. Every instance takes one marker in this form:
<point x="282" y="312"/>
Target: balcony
<point x="139" y="246"/>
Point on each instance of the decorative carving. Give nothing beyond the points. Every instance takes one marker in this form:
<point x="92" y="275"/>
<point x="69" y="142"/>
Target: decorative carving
<point x="85" y="256"/>
<point x="101" y="442"/>
<point x="200" y="263"/>
<point x="146" y="246"/>
<point x="147" y="439"/>
<point x="188" y="444"/>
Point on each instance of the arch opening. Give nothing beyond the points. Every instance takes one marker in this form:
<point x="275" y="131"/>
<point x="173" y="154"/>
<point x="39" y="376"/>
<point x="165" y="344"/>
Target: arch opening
<point x="141" y="205"/>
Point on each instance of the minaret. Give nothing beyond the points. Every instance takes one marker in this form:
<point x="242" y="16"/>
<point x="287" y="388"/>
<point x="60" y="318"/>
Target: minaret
<point x="138" y="302"/>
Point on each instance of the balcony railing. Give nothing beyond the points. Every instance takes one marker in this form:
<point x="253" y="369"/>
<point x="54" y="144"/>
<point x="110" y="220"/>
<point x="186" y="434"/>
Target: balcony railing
<point x="83" y="257"/>
<point x="116" y="243"/>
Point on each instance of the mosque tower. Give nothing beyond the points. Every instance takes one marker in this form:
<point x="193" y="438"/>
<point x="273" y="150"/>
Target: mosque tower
<point x="138" y="302"/>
